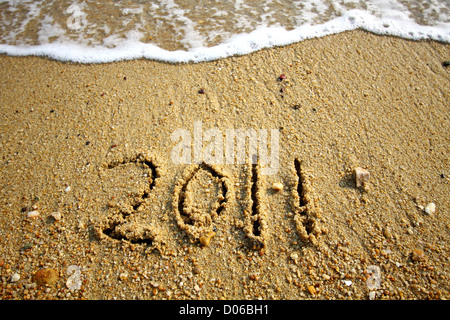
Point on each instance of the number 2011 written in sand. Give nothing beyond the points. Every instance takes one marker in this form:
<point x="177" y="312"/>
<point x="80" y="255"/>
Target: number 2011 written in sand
<point x="196" y="213"/>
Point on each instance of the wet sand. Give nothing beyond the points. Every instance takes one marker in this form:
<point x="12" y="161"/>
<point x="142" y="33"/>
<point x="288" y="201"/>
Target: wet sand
<point x="90" y="189"/>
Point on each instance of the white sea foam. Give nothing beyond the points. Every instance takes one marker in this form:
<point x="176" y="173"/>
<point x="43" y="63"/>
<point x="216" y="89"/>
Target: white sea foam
<point x="72" y="42"/>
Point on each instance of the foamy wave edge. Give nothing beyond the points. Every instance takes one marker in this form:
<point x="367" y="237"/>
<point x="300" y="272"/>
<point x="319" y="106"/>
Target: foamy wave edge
<point x="241" y="44"/>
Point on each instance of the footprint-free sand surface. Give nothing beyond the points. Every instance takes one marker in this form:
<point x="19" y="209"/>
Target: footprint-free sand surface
<point x="92" y="188"/>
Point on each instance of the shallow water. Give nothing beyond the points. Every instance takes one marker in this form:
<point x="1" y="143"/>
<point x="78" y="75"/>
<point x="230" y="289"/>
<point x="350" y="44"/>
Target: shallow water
<point x="184" y="30"/>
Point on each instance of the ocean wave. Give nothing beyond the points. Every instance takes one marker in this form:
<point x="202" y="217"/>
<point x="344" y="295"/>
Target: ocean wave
<point x="75" y="41"/>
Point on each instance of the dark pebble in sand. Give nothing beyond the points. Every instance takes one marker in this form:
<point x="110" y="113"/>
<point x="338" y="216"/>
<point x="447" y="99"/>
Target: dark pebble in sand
<point x="27" y="246"/>
<point x="446" y="63"/>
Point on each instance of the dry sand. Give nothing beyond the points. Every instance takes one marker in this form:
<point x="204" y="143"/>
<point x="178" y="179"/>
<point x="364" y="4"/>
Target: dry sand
<point x="93" y="143"/>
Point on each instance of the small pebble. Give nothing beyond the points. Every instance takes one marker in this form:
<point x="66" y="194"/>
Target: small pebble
<point x="282" y="77"/>
<point x="111" y="204"/>
<point x="56" y="215"/>
<point x="277" y="186"/>
<point x="418" y="255"/>
<point x="33" y="214"/>
<point x="197" y="269"/>
<point x="312" y="290"/>
<point x="387" y="232"/>
<point x="430" y="208"/>
<point x="446" y="63"/>
<point x="206" y="239"/>
<point x="123" y="276"/>
<point x="361" y="176"/>
<point x="45" y="276"/>
<point x="15" y="277"/>
<point x="27" y="246"/>
<point x="67" y="189"/>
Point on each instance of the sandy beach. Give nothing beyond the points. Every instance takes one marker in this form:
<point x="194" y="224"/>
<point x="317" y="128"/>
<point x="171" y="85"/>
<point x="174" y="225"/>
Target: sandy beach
<point x="90" y="192"/>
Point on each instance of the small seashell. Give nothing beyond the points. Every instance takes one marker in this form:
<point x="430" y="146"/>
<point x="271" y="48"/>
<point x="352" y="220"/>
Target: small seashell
<point x="430" y="208"/>
<point x="277" y="186"/>
<point x="33" y="214"/>
<point x="15" y="277"/>
<point x="56" y="215"/>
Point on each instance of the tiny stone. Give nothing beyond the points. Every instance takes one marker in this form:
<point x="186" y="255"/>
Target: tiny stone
<point x="33" y="214"/>
<point x="418" y="255"/>
<point x="430" y="208"/>
<point x="361" y="176"/>
<point x="111" y="204"/>
<point x="326" y="277"/>
<point x="387" y="232"/>
<point x="206" y="239"/>
<point x="67" y="189"/>
<point x="277" y="186"/>
<point x="56" y="215"/>
<point x="312" y="290"/>
<point x="294" y="256"/>
<point x="123" y="276"/>
<point x="27" y="246"/>
<point x="15" y="277"/>
<point x="197" y="269"/>
<point x="348" y="283"/>
<point x="45" y="276"/>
